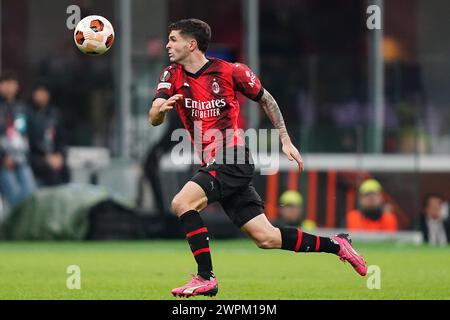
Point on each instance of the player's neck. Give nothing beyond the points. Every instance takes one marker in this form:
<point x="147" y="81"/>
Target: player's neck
<point x="194" y="63"/>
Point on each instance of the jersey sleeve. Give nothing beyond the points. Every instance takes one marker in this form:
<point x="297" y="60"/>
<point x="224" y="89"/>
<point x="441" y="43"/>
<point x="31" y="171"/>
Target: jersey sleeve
<point x="166" y="82"/>
<point x="246" y="82"/>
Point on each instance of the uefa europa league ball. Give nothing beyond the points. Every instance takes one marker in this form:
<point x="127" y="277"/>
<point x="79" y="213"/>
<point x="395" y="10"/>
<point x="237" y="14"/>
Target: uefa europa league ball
<point x="94" y="35"/>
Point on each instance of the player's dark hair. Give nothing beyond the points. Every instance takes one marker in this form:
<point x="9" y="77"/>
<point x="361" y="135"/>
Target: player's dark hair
<point x="195" y="28"/>
<point x="8" y="75"/>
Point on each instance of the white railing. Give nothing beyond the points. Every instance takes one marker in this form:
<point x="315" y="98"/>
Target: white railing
<point x="343" y="162"/>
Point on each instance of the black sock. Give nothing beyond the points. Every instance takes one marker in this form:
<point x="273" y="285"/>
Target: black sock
<point x="197" y="236"/>
<point x="294" y="239"/>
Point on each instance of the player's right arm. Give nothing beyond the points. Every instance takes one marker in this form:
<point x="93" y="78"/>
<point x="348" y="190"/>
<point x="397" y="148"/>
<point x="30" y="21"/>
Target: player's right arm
<point x="160" y="107"/>
<point x="165" y="97"/>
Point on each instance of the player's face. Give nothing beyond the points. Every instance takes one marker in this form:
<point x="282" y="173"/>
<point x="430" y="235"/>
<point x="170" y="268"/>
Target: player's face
<point x="178" y="47"/>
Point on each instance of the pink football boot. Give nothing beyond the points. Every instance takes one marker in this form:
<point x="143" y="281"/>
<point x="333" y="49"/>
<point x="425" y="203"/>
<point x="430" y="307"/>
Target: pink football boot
<point x="197" y="286"/>
<point x="347" y="253"/>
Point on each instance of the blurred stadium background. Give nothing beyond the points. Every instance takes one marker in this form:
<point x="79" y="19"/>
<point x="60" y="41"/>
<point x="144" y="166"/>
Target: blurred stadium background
<point x="359" y="103"/>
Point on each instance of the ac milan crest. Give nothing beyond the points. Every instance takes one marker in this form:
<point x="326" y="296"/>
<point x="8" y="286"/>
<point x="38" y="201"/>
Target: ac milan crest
<point x="215" y="87"/>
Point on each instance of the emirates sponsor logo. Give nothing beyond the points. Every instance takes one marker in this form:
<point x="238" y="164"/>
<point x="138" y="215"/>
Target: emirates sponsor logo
<point x="204" y="105"/>
<point x="204" y="109"/>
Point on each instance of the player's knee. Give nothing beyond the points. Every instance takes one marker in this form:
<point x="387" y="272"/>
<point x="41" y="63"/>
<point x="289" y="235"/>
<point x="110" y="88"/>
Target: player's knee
<point x="179" y="206"/>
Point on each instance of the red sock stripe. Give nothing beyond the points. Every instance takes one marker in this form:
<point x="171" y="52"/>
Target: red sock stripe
<point x="193" y="233"/>
<point x="197" y="252"/>
<point x="317" y="243"/>
<point x="299" y="240"/>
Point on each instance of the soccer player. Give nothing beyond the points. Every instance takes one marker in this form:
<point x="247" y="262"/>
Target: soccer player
<point x="203" y="92"/>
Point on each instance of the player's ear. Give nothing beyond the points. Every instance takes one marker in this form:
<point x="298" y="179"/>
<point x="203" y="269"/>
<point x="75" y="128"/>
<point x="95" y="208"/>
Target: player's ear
<point x="193" y="44"/>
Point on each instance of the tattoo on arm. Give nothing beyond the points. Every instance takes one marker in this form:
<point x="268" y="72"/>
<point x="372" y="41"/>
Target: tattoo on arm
<point x="272" y="110"/>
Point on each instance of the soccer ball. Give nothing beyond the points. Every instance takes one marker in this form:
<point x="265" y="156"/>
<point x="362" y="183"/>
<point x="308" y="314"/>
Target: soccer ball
<point x="94" y="35"/>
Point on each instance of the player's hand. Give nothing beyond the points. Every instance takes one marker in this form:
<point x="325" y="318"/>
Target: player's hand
<point x="169" y="104"/>
<point x="292" y="153"/>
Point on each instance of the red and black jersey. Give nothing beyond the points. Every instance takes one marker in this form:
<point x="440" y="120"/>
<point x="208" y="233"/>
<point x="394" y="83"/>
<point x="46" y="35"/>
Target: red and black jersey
<point x="209" y="103"/>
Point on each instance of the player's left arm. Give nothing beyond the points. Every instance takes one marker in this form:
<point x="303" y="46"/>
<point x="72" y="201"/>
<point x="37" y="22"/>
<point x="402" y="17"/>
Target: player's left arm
<point x="272" y="110"/>
<point x="249" y="84"/>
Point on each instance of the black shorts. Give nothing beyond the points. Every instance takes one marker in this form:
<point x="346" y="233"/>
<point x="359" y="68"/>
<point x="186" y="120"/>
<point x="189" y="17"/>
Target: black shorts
<point x="231" y="185"/>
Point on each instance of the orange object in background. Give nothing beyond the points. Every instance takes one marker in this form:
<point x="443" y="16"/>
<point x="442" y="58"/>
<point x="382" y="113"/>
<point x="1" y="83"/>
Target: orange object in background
<point x="313" y="178"/>
<point x="356" y="221"/>
<point x="272" y="196"/>
<point x="331" y="200"/>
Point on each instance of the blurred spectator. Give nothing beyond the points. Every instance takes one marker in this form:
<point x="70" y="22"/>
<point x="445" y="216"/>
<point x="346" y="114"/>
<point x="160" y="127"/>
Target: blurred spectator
<point x="373" y="214"/>
<point x="435" y="223"/>
<point x="291" y="209"/>
<point x="16" y="178"/>
<point x="291" y="212"/>
<point x="47" y="145"/>
<point x="151" y="162"/>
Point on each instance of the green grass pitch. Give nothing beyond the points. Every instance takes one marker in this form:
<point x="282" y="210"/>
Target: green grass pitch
<point x="150" y="269"/>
